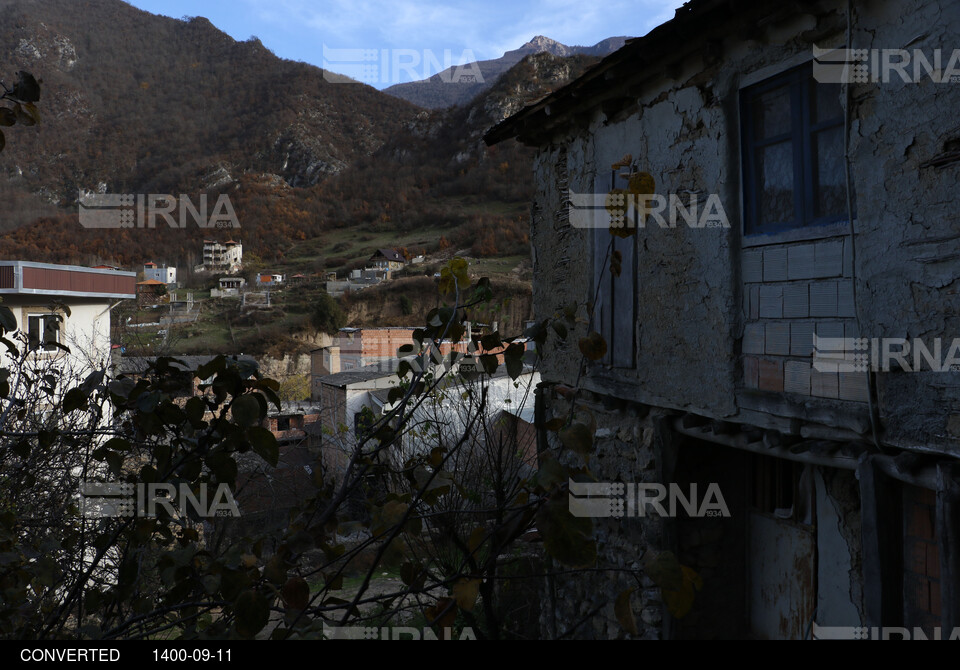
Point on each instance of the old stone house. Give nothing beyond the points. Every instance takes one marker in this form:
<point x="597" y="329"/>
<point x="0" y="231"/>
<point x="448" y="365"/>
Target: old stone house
<point x="388" y="259"/>
<point x="840" y="471"/>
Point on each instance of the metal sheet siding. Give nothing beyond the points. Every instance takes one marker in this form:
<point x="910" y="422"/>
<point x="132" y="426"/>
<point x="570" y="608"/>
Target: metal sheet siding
<point x="48" y="279"/>
<point x="7" y="279"/>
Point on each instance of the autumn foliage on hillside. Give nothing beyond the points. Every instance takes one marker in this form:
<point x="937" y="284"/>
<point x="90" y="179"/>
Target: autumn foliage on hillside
<point x="136" y="103"/>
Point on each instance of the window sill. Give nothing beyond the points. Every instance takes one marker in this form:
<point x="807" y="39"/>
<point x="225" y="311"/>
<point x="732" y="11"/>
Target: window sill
<point x="804" y="234"/>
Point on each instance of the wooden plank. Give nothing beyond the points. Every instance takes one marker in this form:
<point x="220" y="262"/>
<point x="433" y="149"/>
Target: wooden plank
<point x="625" y="305"/>
<point x="881" y="528"/>
<point x="602" y="285"/>
<point x="948" y="530"/>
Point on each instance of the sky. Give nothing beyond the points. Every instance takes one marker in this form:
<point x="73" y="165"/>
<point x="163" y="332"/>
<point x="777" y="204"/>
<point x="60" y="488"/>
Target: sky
<point x="413" y="37"/>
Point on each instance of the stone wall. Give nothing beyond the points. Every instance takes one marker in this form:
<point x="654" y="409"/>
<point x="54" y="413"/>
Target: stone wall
<point x="581" y="605"/>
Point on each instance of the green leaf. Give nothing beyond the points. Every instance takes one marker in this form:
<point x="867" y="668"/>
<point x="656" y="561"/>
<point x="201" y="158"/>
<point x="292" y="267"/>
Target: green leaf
<point x="223" y="467"/>
<point x="211" y="368"/>
<point x="276" y="569"/>
<point x="454" y="276"/>
<point x="566" y="538"/>
<point x="247" y="410"/>
<point x="23" y="116"/>
<point x="33" y="112"/>
<point x="491" y="341"/>
<point x="195" y="410"/>
<point x="8" y="322"/>
<point x="115" y="461"/>
<point x="147" y="402"/>
<point x="264" y="444"/>
<point x="46" y="438"/>
<point x="252" y="612"/>
<point x="477" y="537"/>
<point x="413" y="575"/>
<point x="74" y="400"/>
<point x="537" y="332"/>
<point x="513" y="358"/>
<point x="489" y="363"/>
<point x="27" y="88"/>
<point x="551" y="473"/>
<point x="388" y="516"/>
<point x="117" y="444"/>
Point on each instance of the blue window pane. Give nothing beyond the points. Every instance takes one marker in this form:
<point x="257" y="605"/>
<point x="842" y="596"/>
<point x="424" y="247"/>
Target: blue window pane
<point x="776" y="191"/>
<point x="771" y="113"/>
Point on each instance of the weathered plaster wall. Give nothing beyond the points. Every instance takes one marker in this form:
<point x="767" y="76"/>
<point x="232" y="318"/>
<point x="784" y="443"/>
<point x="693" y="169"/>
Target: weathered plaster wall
<point x="711" y="309"/>
<point x="718" y="319"/>
<point x="839" y="566"/>
<point x="908" y="228"/>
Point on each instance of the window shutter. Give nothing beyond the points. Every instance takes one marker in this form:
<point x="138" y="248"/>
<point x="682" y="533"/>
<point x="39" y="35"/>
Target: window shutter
<point x="615" y="311"/>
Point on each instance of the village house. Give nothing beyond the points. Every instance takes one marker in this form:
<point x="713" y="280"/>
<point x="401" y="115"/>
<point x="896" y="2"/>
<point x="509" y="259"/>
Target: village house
<point x="388" y="259"/>
<point x="228" y="286"/>
<point x="354" y="348"/>
<point x="823" y="205"/>
<point x="270" y="280"/>
<point x="66" y="305"/>
<point x="350" y="401"/>
<point x="160" y="273"/>
<point x="151" y="292"/>
<point x="221" y="257"/>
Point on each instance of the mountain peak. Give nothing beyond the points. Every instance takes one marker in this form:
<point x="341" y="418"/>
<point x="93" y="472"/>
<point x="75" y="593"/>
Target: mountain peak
<point x="436" y="92"/>
<point x="541" y="42"/>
